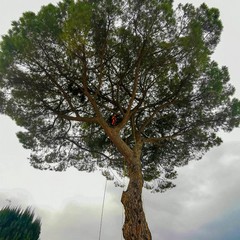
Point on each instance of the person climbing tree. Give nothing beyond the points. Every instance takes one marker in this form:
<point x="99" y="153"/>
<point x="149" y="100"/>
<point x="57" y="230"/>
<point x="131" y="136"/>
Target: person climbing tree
<point x="114" y="120"/>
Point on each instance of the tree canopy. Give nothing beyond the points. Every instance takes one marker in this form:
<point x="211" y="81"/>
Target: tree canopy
<point x="18" y="224"/>
<point x="67" y="70"/>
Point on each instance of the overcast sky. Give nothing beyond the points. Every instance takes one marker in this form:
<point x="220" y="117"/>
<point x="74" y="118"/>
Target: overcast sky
<point x="203" y="206"/>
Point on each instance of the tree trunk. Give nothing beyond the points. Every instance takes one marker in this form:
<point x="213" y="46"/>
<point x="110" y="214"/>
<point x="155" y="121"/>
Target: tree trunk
<point x="135" y="226"/>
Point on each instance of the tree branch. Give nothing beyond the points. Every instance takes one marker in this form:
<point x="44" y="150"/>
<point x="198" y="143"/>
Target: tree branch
<point x="150" y="118"/>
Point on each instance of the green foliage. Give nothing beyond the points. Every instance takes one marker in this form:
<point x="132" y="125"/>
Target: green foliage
<point x="18" y="224"/>
<point x="144" y="60"/>
<point x="78" y="25"/>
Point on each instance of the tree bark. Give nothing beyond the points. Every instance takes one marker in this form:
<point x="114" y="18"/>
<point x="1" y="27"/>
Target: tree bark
<point x="135" y="226"/>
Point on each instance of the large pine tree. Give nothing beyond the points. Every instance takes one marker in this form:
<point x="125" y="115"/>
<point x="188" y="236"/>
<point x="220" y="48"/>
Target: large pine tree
<point x="121" y="86"/>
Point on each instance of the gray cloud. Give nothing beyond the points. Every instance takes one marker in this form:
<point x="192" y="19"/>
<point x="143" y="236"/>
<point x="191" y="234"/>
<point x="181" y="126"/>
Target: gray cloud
<point x="81" y="222"/>
<point x="15" y="197"/>
<point x="223" y="228"/>
<point x="205" y="193"/>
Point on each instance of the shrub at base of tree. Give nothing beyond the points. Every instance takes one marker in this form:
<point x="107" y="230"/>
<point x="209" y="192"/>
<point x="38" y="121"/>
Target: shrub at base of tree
<point x="19" y="224"/>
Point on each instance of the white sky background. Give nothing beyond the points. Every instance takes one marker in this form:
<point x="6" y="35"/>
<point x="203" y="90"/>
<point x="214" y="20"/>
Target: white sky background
<point x="204" y="205"/>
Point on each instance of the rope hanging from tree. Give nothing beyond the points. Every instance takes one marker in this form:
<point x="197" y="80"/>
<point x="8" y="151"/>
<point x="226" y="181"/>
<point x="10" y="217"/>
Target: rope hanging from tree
<point x="103" y="203"/>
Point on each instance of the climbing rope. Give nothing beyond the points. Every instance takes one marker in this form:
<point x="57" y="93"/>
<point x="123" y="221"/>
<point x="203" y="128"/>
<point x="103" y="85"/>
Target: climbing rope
<point x="103" y="203"/>
<point x="122" y="220"/>
<point x="124" y="189"/>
